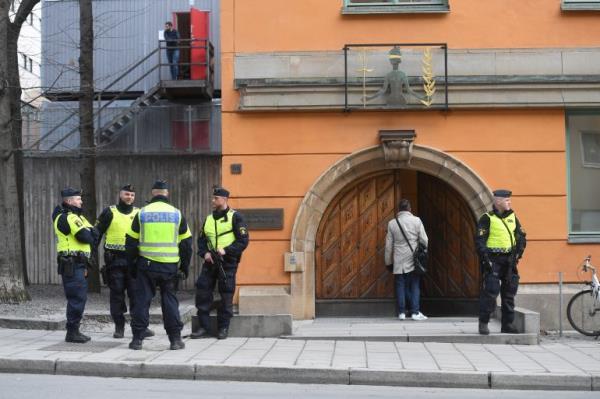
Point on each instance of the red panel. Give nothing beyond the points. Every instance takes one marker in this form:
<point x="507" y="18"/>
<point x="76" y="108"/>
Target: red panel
<point x="181" y="137"/>
<point x="199" y="26"/>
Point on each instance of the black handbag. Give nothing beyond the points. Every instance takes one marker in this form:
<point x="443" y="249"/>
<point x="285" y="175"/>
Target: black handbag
<point x="419" y="255"/>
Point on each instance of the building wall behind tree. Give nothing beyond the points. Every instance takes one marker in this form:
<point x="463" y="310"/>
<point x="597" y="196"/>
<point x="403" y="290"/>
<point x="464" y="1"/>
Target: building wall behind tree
<point x="190" y="179"/>
<point x="283" y="153"/>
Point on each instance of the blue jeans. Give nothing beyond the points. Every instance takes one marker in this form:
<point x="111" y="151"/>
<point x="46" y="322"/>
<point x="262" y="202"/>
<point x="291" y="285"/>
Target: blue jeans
<point x="408" y="287"/>
<point x="173" y="57"/>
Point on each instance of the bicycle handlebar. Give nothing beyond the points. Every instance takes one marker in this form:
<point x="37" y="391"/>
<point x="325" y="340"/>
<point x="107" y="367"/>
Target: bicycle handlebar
<point x="587" y="265"/>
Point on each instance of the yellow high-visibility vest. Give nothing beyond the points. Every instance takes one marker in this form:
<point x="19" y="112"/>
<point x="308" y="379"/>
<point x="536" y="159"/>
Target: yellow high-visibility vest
<point x="501" y="239"/>
<point x="67" y="244"/>
<point x="119" y="226"/>
<point x="159" y="236"/>
<point x="219" y="232"/>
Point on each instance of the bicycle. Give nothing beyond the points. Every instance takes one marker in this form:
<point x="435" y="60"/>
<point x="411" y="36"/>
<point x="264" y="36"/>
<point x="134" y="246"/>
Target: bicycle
<point x="583" y="310"/>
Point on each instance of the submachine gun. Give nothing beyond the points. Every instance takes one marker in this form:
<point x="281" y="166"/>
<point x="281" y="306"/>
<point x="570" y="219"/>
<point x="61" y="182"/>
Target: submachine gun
<point x="218" y="262"/>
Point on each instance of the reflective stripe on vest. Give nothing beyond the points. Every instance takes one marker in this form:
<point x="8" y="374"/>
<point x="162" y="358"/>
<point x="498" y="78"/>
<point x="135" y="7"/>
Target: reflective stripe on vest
<point x="499" y="239"/>
<point x="159" y="232"/>
<point x="68" y="244"/>
<point x="219" y="232"/>
<point x="120" y="224"/>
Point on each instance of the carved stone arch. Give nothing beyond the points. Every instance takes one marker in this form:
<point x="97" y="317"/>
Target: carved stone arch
<point x="354" y="166"/>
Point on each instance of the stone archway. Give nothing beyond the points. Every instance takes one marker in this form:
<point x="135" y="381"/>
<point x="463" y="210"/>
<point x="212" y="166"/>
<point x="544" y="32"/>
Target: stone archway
<point x="354" y="166"/>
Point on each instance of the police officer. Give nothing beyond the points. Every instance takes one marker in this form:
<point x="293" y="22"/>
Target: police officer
<point x="75" y="238"/>
<point x="158" y="245"/>
<point x="500" y="243"/>
<point x="223" y="238"/>
<point x="115" y="221"/>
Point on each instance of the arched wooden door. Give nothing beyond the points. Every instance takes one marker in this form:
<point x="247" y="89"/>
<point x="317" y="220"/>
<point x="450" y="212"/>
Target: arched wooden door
<point x="351" y="239"/>
<point x="453" y="264"/>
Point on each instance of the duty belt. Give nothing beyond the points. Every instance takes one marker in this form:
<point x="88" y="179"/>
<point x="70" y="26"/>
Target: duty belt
<point x="499" y="251"/>
<point x="115" y="247"/>
<point x="76" y="254"/>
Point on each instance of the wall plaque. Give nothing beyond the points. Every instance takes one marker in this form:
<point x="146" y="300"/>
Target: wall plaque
<point x="263" y="218"/>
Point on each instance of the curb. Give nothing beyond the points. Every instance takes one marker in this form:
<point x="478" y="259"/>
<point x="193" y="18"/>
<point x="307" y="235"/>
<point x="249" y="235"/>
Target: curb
<point x="303" y="375"/>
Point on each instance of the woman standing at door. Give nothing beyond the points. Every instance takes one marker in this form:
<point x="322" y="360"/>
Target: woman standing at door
<point x="399" y="257"/>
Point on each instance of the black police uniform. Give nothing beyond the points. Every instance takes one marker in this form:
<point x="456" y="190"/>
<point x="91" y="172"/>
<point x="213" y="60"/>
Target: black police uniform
<point x="148" y="275"/>
<point x="499" y="270"/>
<point x="120" y="280"/>
<point x="74" y="283"/>
<point x="210" y="275"/>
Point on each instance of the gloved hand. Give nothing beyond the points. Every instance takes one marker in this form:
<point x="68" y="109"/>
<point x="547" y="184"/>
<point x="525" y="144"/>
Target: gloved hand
<point x="185" y="271"/>
<point x="488" y="267"/>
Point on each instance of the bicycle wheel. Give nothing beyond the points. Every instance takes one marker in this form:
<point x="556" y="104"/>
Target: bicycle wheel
<point x="583" y="313"/>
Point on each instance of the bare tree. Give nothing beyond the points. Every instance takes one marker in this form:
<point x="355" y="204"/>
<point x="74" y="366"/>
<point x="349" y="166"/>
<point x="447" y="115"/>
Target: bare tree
<point x="86" y="120"/>
<point x="12" y="258"/>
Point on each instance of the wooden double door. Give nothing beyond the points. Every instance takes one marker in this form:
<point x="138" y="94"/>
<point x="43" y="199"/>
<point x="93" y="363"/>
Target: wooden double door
<point x="351" y="238"/>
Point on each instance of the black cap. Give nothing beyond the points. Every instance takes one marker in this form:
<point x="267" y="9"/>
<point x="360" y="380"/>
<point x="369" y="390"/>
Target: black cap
<point x="128" y="187"/>
<point x="160" y="185"/>
<point x="502" y="193"/>
<point x="220" y="192"/>
<point x="69" y="192"/>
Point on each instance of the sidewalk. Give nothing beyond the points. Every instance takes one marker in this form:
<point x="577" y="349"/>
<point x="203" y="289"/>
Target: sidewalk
<point x="566" y="364"/>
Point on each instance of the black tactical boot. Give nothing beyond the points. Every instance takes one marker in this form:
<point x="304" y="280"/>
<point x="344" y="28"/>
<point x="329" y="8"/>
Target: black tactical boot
<point x="176" y="343"/>
<point x="483" y="328"/>
<point x="119" y="331"/>
<point x="200" y="333"/>
<point x="223" y="333"/>
<point x="135" y="344"/>
<point x="509" y="329"/>
<point x="147" y="334"/>
<point x="76" y="337"/>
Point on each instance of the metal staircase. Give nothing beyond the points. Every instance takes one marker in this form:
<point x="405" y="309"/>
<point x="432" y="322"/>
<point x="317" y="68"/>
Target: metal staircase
<point x="108" y="132"/>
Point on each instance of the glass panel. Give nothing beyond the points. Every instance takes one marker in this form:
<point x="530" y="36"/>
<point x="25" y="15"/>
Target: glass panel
<point x="391" y="2"/>
<point x="584" y="165"/>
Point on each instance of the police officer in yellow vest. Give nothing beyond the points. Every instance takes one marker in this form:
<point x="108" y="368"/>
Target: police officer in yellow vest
<point x="75" y="237"/>
<point x="115" y="221"/>
<point x="223" y="238"/>
<point x="159" y="247"/>
<point x="500" y="243"/>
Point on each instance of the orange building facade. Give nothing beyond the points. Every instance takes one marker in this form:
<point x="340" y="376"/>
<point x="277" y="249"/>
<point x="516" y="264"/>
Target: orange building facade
<point x="522" y="112"/>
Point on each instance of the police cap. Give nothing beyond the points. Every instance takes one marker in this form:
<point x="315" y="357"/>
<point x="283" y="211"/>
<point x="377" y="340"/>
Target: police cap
<point x="160" y="185"/>
<point x="69" y="192"/>
<point x="128" y="187"/>
<point x="220" y="192"/>
<point x="502" y="193"/>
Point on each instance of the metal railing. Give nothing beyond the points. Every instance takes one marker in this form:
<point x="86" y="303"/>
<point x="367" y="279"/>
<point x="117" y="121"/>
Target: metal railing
<point x="189" y="45"/>
<point x="190" y="48"/>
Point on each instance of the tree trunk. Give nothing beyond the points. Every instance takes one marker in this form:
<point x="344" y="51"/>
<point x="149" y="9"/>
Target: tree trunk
<point x="86" y="121"/>
<point x="12" y="288"/>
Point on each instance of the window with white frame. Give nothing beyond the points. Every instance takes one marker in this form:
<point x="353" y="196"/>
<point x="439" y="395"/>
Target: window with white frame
<point x="583" y="140"/>
<point x="394" y="6"/>
<point x="580" y="5"/>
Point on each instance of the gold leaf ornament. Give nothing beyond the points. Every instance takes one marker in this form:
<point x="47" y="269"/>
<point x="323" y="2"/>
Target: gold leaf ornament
<point x="428" y="77"/>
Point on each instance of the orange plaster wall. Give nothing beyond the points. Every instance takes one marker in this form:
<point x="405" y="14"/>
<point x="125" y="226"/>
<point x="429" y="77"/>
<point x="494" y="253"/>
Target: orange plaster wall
<point x="285" y="25"/>
<point x="262" y="263"/>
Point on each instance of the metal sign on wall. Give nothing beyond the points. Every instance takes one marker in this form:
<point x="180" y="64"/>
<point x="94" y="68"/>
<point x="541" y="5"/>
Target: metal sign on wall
<point x="396" y="76"/>
<point x="263" y="218"/>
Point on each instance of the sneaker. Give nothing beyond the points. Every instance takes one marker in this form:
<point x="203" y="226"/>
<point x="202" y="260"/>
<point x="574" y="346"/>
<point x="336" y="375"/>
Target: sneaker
<point x="419" y="316"/>
<point x="402" y="316"/>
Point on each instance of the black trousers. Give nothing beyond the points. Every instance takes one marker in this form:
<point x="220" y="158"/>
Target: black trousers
<point x="150" y="275"/>
<point x="502" y="280"/>
<point x="121" y="284"/>
<point x="205" y="285"/>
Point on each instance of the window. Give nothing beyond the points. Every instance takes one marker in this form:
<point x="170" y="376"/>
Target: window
<point x="580" y="5"/>
<point x="24" y="59"/>
<point x="30" y="65"/>
<point x="583" y="143"/>
<point x="394" y="6"/>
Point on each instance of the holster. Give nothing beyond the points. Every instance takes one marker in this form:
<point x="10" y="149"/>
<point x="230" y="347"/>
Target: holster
<point x="66" y="265"/>
<point x="104" y="274"/>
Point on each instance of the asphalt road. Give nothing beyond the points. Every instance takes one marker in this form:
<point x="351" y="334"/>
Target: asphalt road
<point x="27" y="386"/>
